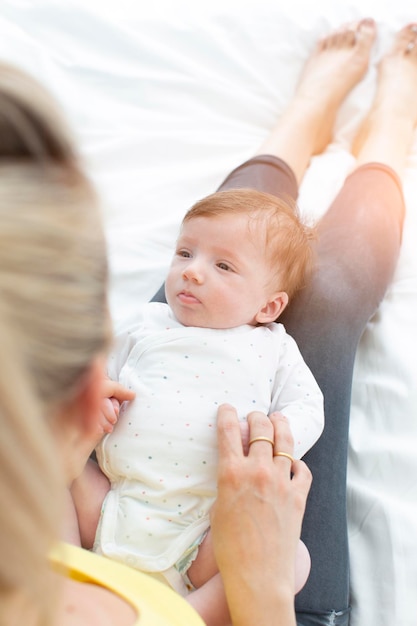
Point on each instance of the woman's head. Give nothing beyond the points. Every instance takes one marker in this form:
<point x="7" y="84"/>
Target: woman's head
<point x="52" y="253"/>
<point x="52" y="274"/>
<point x="53" y="316"/>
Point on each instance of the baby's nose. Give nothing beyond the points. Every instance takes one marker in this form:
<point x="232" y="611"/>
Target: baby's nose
<point x="193" y="272"/>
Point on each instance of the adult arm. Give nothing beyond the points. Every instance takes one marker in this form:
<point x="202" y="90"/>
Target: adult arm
<point x="256" y="520"/>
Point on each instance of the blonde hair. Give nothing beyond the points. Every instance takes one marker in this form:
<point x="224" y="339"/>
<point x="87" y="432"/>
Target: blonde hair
<point x="53" y="322"/>
<point x="287" y="240"/>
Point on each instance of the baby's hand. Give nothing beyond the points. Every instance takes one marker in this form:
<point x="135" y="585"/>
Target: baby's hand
<point x="114" y="394"/>
<point x="110" y="408"/>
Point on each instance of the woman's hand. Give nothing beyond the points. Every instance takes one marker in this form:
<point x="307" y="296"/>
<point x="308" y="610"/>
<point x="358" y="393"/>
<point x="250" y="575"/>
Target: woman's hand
<point x="256" y="520"/>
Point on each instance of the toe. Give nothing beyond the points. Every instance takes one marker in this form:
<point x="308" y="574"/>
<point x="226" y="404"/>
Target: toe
<point x="366" y="32"/>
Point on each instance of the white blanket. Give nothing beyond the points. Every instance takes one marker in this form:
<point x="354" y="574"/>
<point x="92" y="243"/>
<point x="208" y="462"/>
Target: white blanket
<point x="165" y="97"/>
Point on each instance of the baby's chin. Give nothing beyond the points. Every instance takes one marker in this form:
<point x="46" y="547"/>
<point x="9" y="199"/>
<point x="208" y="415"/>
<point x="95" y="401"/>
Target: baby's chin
<point x="197" y="316"/>
<point x="198" y="321"/>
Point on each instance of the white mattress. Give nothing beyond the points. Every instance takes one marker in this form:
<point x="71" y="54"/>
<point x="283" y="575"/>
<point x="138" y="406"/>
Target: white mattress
<point x="164" y="99"/>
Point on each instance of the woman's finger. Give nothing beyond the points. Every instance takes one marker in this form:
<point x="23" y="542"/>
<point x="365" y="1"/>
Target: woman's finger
<point x="261" y="435"/>
<point x="301" y="479"/>
<point x="228" y="433"/>
<point x="283" y="440"/>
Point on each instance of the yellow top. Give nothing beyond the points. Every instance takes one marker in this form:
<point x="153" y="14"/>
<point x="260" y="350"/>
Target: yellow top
<point x="155" y="603"/>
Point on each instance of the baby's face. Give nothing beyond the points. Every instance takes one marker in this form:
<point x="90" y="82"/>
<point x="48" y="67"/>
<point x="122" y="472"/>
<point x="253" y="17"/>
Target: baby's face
<point x="218" y="276"/>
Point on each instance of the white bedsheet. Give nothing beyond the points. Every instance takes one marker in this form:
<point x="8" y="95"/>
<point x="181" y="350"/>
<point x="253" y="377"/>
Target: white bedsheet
<point x="164" y="99"/>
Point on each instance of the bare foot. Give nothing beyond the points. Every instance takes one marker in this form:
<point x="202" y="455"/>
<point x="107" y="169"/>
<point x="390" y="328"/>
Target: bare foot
<point x="387" y="130"/>
<point x="338" y="63"/>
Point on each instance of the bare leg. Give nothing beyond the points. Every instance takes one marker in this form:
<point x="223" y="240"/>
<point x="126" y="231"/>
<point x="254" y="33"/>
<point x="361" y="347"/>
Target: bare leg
<point x="209" y="599"/>
<point x="205" y="567"/>
<point x="386" y="133"/>
<point x="339" y="62"/>
<point x="358" y="244"/>
<point x="210" y="602"/>
<point x="88" y="492"/>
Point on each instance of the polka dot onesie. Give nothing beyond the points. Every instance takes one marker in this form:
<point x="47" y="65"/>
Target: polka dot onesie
<point x="161" y="457"/>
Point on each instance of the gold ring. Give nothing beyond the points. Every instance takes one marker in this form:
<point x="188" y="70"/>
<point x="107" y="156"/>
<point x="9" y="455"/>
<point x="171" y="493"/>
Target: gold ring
<point x="288" y="456"/>
<point x="271" y="441"/>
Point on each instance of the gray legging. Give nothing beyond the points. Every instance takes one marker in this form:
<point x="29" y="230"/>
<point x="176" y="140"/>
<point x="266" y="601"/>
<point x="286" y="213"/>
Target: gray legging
<point x="357" y="248"/>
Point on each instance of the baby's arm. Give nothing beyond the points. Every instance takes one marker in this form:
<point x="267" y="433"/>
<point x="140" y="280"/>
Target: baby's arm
<point x="89" y="489"/>
<point x="297" y="395"/>
<point x="113" y="395"/>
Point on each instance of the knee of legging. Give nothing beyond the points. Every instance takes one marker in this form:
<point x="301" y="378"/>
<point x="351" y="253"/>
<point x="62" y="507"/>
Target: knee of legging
<point x="349" y="292"/>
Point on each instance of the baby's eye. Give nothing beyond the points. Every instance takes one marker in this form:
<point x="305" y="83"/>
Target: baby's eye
<point x="184" y="253"/>
<point x="224" y="266"/>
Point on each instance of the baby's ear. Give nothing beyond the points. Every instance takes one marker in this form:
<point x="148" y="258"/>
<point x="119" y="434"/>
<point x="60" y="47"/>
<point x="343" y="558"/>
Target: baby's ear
<point x="272" y="309"/>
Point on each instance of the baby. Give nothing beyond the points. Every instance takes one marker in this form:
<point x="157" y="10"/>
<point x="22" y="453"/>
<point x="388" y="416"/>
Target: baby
<point x="240" y="257"/>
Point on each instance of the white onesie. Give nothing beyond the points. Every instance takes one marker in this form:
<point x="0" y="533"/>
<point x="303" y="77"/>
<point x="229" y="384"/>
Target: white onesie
<point x="161" y="457"/>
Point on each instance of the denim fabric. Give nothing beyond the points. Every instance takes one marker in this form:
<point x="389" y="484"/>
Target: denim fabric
<point x="332" y="618"/>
